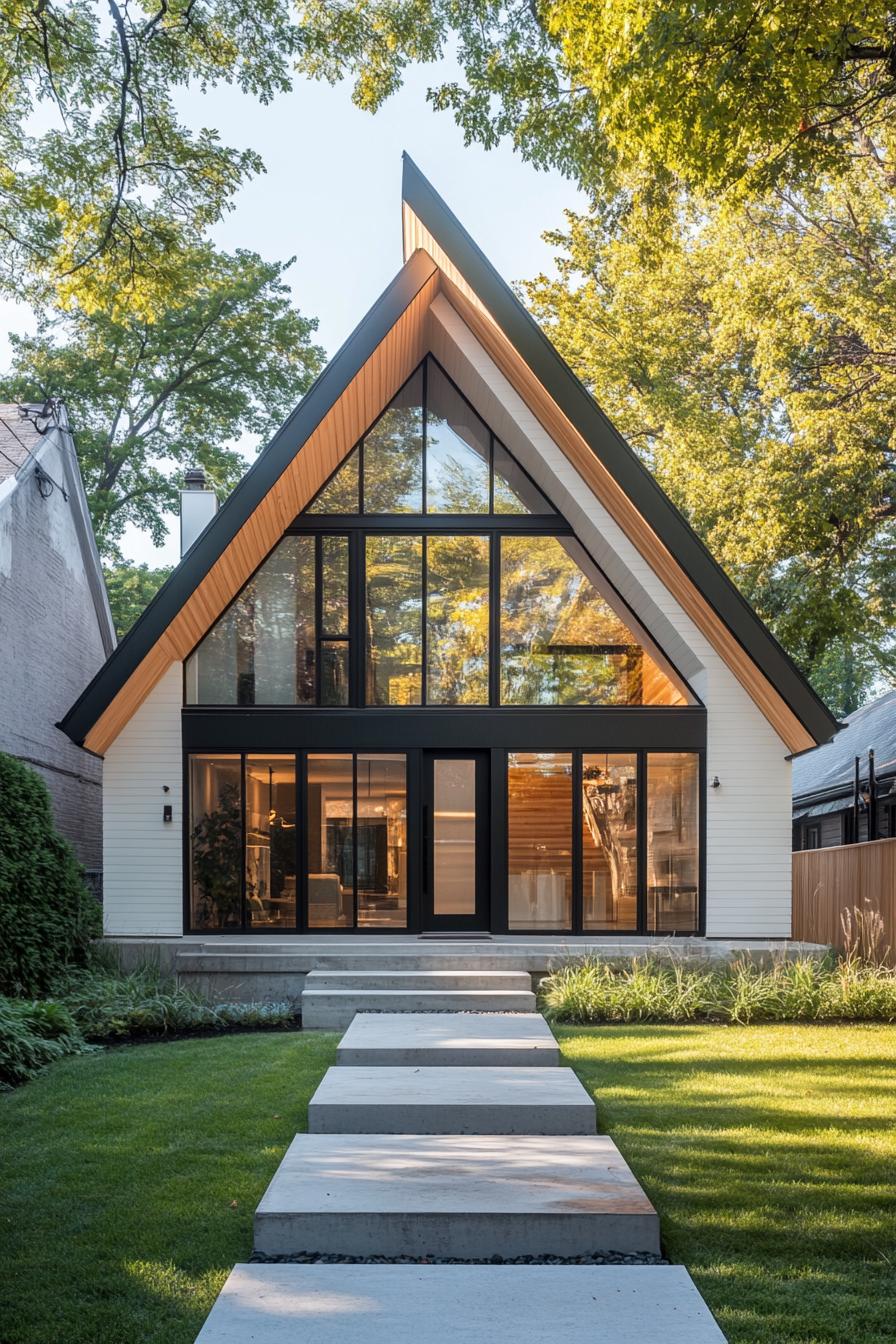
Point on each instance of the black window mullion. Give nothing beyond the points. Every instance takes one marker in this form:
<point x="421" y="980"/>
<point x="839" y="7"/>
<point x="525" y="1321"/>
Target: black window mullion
<point x="491" y="474"/>
<point x="641" y="839"/>
<point x="423" y="440"/>
<point x="578" y="895"/>
<point x="424" y="617"/>
<point x="357" y="610"/>
<point x="318" y="611"/>
<point x="243" y="923"/>
<point x="301" y="855"/>
<point x="494" y="619"/>
<point x="354" y="840"/>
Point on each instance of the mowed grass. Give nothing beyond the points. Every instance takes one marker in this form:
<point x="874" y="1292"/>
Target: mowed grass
<point x="128" y="1181"/>
<point x="770" y="1154"/>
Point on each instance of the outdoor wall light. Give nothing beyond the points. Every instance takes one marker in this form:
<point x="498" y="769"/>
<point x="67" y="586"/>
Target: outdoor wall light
<point x="716" y="782"/>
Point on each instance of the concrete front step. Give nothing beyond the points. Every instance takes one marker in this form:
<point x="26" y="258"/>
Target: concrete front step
<point x="451" y="1039"/>
<point x="389" y="1100"/>
<point x="474" y="978"/>
<point x="454" y="1195"/>
<point x="333" y="1009"/>
<point x="478" y="1304"/>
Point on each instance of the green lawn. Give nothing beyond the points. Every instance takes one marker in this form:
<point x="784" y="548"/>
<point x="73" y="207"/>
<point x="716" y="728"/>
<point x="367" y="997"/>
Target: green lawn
<point x="770" y="1153"/>
<point x="128" y="1181"/>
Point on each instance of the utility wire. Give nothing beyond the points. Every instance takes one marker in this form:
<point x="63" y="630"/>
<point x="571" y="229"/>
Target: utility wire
<point x="38" y="468"/>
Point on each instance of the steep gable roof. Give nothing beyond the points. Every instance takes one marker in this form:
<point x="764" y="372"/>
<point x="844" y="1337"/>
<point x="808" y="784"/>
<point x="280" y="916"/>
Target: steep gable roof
<point x="351" y="391"/>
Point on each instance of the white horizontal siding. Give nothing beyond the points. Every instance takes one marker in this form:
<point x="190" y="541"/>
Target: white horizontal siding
<point x="142" y="854"/>
<point x="748" y="816"/>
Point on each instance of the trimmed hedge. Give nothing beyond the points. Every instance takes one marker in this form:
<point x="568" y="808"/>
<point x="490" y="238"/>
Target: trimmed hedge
<point x="48" y="918"/>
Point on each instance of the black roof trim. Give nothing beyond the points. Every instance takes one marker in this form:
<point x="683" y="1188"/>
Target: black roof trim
<point x="323" y="394"/>
<point x="605" y="441"/>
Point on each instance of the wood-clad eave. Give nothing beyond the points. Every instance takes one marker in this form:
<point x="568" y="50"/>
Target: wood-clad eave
<point x="396" y="356"/>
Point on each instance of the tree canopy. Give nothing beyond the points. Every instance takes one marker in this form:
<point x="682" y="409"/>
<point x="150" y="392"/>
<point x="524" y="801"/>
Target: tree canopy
<point x="148" y="395"/>
<point x="748" y="356"/>
<point x="718" y="94"/>
<point x="99" y="176"/>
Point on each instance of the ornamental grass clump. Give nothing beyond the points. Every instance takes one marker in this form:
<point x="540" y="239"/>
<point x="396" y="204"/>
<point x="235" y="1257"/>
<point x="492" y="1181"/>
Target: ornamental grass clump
<point x="666" y="989"/>
<point x="108" y="1005"/>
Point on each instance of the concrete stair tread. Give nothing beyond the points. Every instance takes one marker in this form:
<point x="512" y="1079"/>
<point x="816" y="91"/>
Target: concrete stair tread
<point x="450" y="1100"/>
<point x="448" y="1039"/>
<point x="479" y="1304"/>
<point x="333" y="1009"/>
<point x="422" y="979"/>
<point x="454" y="1195"/>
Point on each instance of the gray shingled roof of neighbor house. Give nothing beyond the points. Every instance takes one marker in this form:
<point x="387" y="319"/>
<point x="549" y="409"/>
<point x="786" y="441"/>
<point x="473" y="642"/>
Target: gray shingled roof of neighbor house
<point x="831" y="767"/>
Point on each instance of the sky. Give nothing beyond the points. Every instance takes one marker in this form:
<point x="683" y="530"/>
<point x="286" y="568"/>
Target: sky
<point x="331" y="197"/>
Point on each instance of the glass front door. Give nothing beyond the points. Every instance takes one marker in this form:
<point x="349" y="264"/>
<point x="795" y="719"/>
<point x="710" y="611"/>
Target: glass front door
<point x="455" y="840"/>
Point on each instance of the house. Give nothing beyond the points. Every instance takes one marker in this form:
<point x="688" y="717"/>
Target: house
<point x="845" y="790"/>
<point x="447" y="660"/>
<point x="55" y="624"/>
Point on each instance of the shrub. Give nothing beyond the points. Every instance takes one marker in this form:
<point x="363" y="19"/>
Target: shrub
<point x="47" y="916"/>
<point x="664" y="990"/>
<point x="32" y="1035"/>
<point x="106" y="1005"/>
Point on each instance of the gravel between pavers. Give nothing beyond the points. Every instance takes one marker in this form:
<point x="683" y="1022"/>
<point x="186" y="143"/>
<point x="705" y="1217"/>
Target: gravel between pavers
<point x="597" y="1258"/>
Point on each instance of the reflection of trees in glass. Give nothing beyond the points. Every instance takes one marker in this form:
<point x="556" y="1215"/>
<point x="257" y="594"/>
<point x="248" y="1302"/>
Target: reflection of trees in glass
<point x="455" y="489"/>
<point x="457" y="610"/>
<point x="217" y="860"/>
<point x="261" y="651"/>
<point x="561" y="642"/>
<point x="393" y="454"/>
<point x="394" y="619"/>
<point x="340" y="494"/>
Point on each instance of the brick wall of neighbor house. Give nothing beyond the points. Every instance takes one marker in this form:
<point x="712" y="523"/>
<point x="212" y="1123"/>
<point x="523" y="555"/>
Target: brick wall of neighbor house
<point x="50" y="647"/>
<point x="749" y="833"/>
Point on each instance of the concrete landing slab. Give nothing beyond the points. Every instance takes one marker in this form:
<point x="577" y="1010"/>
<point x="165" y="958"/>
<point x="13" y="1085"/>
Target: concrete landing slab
<point x="454" y="1195"/>
<point x="442" y="1304"/>
<point x="449" y="1039"/>
<point x="333" y="1009"/>
<point x="390" y="1100"/>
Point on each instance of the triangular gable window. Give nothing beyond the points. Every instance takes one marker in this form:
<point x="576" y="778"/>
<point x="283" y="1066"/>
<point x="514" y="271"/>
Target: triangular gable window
<point x="430" y="453"/>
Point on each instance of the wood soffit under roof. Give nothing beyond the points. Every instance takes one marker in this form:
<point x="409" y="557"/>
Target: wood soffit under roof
<point x="357" y="383"/>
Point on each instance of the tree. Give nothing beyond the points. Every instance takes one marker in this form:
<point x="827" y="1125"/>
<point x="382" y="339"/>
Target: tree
<point x="131" y="588"/>
<point x="748" y="355"/>
<point x="99" y="176"/>
<point x="230" y="356"/>
<point x="733" y="92"/>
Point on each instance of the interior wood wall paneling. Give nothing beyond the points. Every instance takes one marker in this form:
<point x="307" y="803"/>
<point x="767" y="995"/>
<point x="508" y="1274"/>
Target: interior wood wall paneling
<point x="828" y="881"/>
<point x="372" y="388"/>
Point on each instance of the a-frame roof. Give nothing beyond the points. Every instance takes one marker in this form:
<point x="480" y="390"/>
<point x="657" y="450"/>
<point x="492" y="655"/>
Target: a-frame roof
<point x="351" y="391"/>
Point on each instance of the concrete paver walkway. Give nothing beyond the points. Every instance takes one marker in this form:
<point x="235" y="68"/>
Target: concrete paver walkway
<point x="443" y="1139"/>
<point x="444" y="1304"/>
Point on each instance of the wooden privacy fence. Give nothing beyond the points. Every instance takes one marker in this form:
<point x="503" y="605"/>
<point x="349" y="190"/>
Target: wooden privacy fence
<point x="828" y="881"/>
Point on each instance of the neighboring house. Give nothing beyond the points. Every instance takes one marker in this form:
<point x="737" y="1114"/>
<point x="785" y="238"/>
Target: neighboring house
<point x="824" y="782"/>
<point x="55" y="624"/>
<point x="447" y="659"/>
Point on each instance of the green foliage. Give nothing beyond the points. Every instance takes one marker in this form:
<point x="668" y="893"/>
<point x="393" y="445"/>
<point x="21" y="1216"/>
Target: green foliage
<point x="148" y="394"/>
<point x="48" y="918"/>
<point x="32" y="1035"/>
<point x="742" y="992"/>
<point x="131" y="588"/>
<point x="105" y="1004"/>
<point x="745" y="353"/>
<point x="101" y="183"/>
<point x="719" y="94"/>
